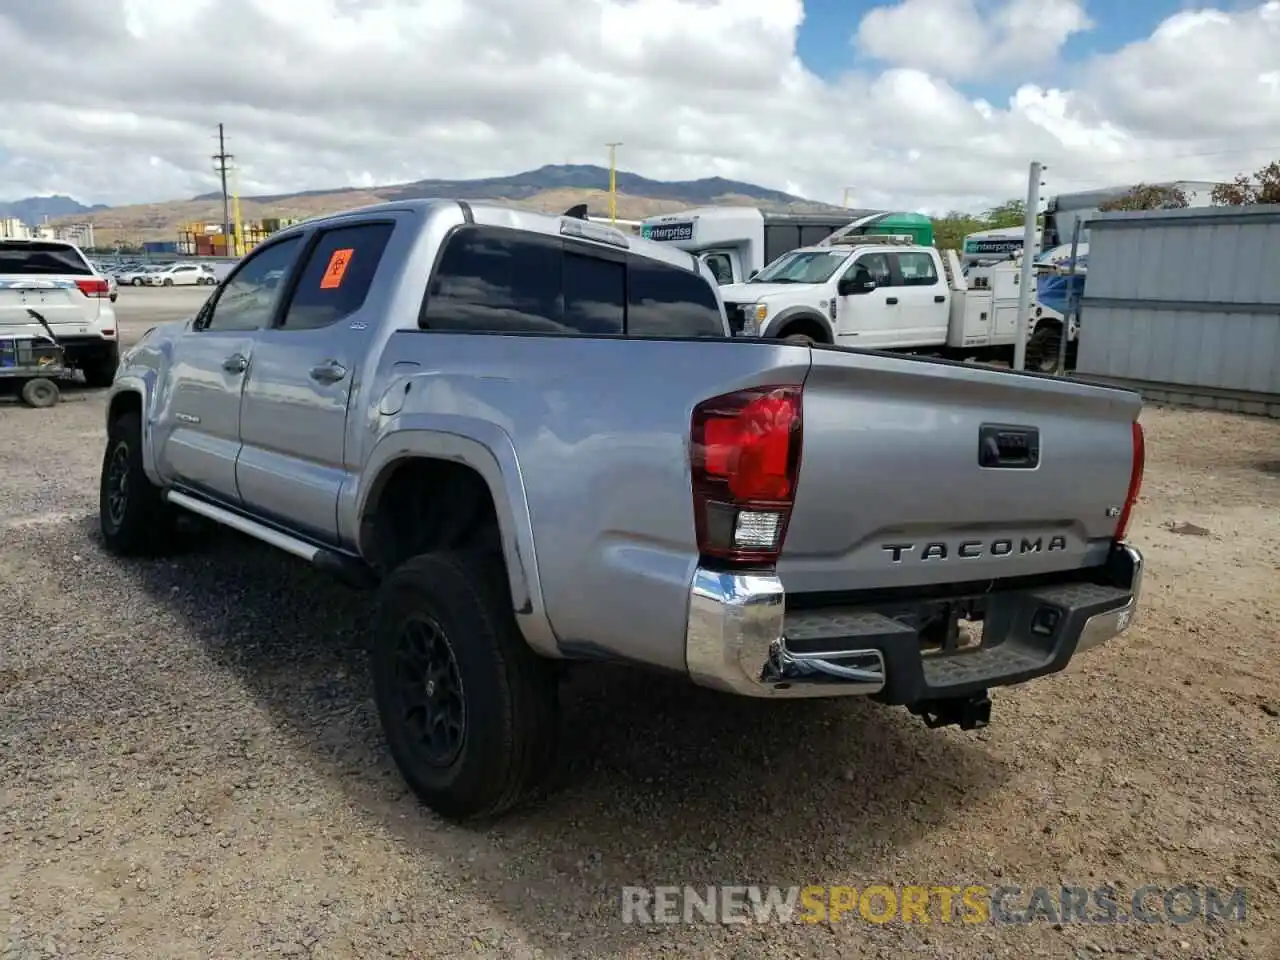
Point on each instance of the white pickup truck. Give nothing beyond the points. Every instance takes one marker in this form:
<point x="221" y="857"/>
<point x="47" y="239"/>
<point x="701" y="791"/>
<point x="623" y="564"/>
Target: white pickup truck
<point x="883" y="293"/>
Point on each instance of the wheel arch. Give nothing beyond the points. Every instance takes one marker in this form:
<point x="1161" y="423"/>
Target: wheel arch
<point x="801" y="320"/>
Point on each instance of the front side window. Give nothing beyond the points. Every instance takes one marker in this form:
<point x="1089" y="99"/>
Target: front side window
<point x="721" y="267"/>
<point x="248" y="299"/>
<point x="874" y="266"/>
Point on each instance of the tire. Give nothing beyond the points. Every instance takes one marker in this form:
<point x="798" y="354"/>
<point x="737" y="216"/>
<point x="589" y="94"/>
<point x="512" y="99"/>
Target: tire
<point x="101" y="370"/>
<point x="168" y="281"/>
<point x="504" y="696"/>
<point x="40" y="392"/>
<point x="1042" y="348"/>
<point x="133" y="517"/>
<point x="136" y="281"/>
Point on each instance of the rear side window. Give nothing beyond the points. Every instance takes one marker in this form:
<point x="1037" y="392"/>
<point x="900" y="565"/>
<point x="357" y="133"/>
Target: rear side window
<point x="41" y="259"/>
<point x="497" y="281"/>
<point x="595" y="294"/>
<point x="665" y="301"/>
<point x="493" y="280"/>
<point x="917" y="270"/>
<point x="337" y="276"/>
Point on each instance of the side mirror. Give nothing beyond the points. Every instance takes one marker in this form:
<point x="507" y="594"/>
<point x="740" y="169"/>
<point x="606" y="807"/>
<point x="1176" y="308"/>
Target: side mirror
<point x="849" y="286"/>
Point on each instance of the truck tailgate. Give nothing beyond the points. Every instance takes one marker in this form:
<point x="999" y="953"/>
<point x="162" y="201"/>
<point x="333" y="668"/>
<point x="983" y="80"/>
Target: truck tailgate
<point x="893" y="491"/>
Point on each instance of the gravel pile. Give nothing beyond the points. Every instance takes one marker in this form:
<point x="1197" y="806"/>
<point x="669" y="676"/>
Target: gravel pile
<point x="190" y="764"/>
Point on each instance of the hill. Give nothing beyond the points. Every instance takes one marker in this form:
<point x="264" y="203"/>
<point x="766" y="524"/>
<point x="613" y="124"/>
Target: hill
<point x="33" y="210"/>
<point x="550" y="189"/>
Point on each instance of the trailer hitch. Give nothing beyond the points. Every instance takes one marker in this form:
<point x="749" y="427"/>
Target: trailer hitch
<point x="968" y="713"/>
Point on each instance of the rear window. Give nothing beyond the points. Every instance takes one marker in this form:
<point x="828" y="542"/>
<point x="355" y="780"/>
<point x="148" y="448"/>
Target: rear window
<point x="41" y="259"/>
<point x="496" y="280"/>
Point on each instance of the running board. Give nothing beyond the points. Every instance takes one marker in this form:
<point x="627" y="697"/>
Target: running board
<point x="347" y="569"/>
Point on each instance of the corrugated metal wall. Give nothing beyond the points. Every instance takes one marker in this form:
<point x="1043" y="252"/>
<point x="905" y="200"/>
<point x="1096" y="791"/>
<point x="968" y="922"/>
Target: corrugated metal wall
<point x="1189" y="299"/>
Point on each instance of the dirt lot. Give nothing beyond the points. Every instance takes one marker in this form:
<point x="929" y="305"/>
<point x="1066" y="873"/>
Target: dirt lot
<point x="190" y="764"/>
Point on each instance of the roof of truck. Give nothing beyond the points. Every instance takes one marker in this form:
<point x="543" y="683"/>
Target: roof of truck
<point x="486" y="212"/>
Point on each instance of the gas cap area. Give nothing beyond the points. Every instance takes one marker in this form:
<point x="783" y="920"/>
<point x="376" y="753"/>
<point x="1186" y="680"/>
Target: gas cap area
<point x="392" y="401"/>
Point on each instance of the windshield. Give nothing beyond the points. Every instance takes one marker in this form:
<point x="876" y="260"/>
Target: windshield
<point x="803" y="266"/>
<point x="41" y="259"/>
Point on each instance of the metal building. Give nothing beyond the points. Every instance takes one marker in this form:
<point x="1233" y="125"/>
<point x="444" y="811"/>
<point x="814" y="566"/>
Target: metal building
<point x="1185" y="306"/>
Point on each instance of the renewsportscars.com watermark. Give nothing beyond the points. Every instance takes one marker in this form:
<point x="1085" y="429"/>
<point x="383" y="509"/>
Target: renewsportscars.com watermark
<point x="972" y="904"/>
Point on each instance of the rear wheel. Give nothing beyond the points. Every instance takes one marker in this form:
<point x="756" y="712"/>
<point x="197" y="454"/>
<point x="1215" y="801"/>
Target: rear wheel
<point x="132" y="514"/>
<point x="470" y="713"/>
<point x="1042" y="348"/>
<point x="40" y="392"/>
<point x="136" y="281"/>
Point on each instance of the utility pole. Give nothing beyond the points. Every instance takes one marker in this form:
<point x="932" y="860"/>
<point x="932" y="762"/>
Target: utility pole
<point x="220" y="164"/>
<point x="1028" y="255"/>
<point x="613" y="180"/>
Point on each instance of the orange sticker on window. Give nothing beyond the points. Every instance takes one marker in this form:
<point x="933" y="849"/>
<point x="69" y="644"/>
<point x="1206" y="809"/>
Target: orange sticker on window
<point x="337" y="269"/>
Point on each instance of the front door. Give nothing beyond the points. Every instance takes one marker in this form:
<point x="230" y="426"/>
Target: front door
<point x="871" y="318"/>
<point x="198" y="427"/>
<point x="293" y="413"/>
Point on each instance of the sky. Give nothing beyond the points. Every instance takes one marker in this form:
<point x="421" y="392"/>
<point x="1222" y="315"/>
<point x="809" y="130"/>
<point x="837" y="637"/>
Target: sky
<point x="927" y="105"/>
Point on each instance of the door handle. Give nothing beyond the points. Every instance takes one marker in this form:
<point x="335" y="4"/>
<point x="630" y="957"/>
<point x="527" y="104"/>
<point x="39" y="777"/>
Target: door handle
<point x="939" y="298"/>
<point x="331" y="371"/>
<point x="236" y="363"/>
<point x="891" y="300"/>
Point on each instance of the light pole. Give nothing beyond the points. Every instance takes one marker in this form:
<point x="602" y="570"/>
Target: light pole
<point x="1028" y="255"/>
<point x="613" y="180"/>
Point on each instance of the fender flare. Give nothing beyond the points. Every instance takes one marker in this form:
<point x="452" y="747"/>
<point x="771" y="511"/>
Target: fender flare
<point x="797" y="312"/>
<point x="138" y="386"/>
<point x="487" y="449"/>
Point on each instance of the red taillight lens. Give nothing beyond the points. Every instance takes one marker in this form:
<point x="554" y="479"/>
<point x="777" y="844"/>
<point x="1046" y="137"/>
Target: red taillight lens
<point x="745" y="463"/>
<point x="97" y="287"/>
<point x="1135" y="480"/>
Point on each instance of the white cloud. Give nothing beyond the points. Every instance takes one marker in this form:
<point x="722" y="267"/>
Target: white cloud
<point x="961" y="39"/>
<point x="118" y="100"/>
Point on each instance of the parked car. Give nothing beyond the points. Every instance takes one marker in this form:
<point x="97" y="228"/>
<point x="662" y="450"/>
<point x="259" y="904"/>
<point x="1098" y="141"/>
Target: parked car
<point x="535" y="438"/>
<point x="54" y="278"/>
<point x="181" y="274"/>
<point x="135" y="276"/>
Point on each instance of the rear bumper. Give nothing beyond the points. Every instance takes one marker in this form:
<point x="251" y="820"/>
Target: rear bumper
<point x="741" y="639"/>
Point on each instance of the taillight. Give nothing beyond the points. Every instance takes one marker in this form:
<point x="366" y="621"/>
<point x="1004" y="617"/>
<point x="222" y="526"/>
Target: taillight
<point x="96" y="287"/>
<point x="745" y="459"/>
<point x="1135" y="480"/>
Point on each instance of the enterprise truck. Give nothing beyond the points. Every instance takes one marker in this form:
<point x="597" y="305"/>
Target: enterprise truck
<point x="736" y="242"/>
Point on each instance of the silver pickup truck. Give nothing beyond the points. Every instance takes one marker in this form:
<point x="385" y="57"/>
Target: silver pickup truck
<point x="534" y="438"/>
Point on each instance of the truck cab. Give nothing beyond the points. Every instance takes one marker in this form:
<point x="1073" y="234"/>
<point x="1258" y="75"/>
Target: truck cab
<point x="878" y="292"/>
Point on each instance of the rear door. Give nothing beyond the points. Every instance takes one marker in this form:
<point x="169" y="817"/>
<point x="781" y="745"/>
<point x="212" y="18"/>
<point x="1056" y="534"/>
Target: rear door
<point x="922" y="310"/>
<point x="293" y="413"/>
<point x="51" y="278"/>
<point x="198" y="432"/>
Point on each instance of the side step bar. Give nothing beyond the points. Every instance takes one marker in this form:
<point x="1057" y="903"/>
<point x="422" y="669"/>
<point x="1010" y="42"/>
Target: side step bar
<point x="348" y="569"/>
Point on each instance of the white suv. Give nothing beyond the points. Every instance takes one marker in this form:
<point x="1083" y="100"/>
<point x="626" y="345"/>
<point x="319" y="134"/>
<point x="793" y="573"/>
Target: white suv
<point x="54" y="279"/>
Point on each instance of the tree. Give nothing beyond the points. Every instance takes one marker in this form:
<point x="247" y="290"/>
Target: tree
<point x="1149" y="196"/>
<point x="1011" y="213"/>
<point x="949" y="231"/>
<point x="1262" y="187"/>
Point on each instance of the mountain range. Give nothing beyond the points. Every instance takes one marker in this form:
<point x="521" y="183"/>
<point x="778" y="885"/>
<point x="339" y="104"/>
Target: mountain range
<point x="34" y="210"/>
<point x="553" y="189"/>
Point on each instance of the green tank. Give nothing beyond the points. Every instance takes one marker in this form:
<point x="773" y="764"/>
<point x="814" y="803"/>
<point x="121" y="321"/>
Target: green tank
<point x="915" y="225"/>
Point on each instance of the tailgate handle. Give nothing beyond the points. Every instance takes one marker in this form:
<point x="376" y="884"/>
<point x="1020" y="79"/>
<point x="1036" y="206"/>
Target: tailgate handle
<point x="1008" y="446"/>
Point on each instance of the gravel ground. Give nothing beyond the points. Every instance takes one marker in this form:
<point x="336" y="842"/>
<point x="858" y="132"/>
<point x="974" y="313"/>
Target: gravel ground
<point x="190" y="764"/>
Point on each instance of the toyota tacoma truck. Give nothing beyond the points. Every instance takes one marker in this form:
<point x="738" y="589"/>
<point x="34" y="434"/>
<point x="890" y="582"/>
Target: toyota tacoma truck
<point x="535" y="439"/>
